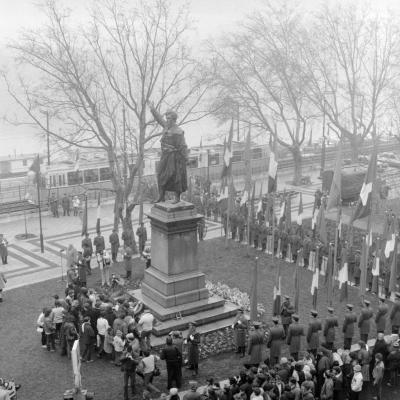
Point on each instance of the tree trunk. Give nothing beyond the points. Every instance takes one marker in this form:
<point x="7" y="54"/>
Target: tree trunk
<point x="356" y="142"/>
<point x="298" y="165"/>
<point x="117" y="206"/>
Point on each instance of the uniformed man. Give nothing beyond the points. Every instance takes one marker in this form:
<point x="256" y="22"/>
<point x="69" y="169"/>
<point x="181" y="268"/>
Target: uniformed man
<point x="241" y="227"/>
<point x="357" y="270"/>
<point x="395" y="314"/>
<point x="331" y="322"/>
<point x="275" y="341"/>
<point x="284" y="241"/>
<point x="255" y="345"/>
<point x="114" y="241"/>
<point x="141" y="233"/>
<point x="295" y="332"/>
<point x="263" y="236"/>
<point x="99" y="243"/>
<point x="364" y="321"/>
<point x="87" y="251"/>
<point x="350" y="318"/>
<point x="201" y="228"/>
<point x="240" y="329"/>
<point x="381" y="315"/>
<point x="287" y="310"/>
<point x="314" y="327"/>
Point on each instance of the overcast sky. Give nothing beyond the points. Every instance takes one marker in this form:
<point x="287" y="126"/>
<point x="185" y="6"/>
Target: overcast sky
<point x="212" y="18"/>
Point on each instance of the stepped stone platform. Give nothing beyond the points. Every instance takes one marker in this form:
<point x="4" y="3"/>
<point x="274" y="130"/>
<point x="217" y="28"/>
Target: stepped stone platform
<point x="173" y="288"/>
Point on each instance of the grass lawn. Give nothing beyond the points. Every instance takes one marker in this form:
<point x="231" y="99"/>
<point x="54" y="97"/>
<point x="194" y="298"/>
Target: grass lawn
<point x="46" y="376"/>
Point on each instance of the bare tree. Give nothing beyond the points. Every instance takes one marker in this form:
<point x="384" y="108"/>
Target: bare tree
<point x="350" y="54"/>
<point x="98" y="77"/>
<point x="257" y="68"/>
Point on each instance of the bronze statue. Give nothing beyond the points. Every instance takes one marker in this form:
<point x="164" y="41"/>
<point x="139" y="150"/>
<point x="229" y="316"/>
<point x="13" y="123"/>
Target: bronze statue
<point x="171" y="173"/>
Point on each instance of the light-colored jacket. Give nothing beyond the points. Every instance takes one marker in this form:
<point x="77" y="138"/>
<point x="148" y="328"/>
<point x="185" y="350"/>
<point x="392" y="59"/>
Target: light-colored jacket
<point x="357" y="382"/>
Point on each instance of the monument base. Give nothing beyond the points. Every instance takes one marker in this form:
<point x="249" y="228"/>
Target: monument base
<point x="202" y="312"/>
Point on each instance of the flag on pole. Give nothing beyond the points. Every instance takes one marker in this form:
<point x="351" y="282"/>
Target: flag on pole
<point x="254" y="294"/>
<point x="227" y="158"/>
<point x="224" y="193"/>
<point x="85" y="218"/>
<point x="335" y="193"/>
<point x="343" y="275"/>
<point x="288" y="213"/>
<point x="314" y="287"/>
<point x="375" y="268"/>
<point x="393" y="269"/>
<point x="364" y="263"/>
<point x="253" y="196"/>
<point x="329" y="274"/>
<point x="314" y="218"/>
<point x="272" y="170"/>
<point x="260" y="202"/>
<point x="98" y="212"/>
<point x="297" y="281"/>
<point x="390" y="240"/>
<point x="276" y="308"/>
<point x="321" y="226"/>
<point x="300" y="212"/>
<point x="364" y="204"/>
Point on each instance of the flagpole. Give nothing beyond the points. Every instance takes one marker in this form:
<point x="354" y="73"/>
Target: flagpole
<point x="335" y="252"/>
<point x="273" y="225"/>
<point x="228" y="211"/>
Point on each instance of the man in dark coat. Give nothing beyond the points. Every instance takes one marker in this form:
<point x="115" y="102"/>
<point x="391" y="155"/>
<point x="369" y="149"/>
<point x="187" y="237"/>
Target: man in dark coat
<point x="381" y="315"/>
<point x="350" y="318"/>
<point x="240" y="329"/>
<point x="275" y="340"/>
<point x="141" y="233"/>
<point x="54" y="205"/>
<point x="193" y="342"/>
<point x="314" y="327"/>
<point x="87" y="250"/>
<point x="395" y="314"/>
<point x="114" y="241"/>
<point x="287" y="310"/>
<point x="331" y="322"/>
<point x="364" y="321"/>
<point x="295" y="332"/>
<point x="255" y="345"/>
<point x="129" y="361"/>
<point x="99" y="243"/>
<point x="87" y="339"/>
<point x="65" y="204"/>
<point x="3" y="249"/>
<point x="173" y="359"/>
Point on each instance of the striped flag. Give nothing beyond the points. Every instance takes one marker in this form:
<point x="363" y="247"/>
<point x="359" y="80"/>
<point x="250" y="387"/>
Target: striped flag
<point x="364" y="263"/>
<point x="276" y="308"/>
<point x="300" y="212"/>
<point x="227" y="158"/>
<point x="321" y="226"/>
<point x="314" y="218"/>
<point x="391" y="239"/>
<point x="260" y="202"/>
<point x="343" y="275"/>
<point x="393" y="269"/>
<point x="365" y="200"/>
<point x="329" y="274"/>
<point x="272" y="170"/>
<point x="98" y="212"/>
<point x="288" y="213"/>
<point x="335" y="193"/>
<point x="376" y="268"/>
<point x="314" y="287"/>
<point x="85" y="218"/>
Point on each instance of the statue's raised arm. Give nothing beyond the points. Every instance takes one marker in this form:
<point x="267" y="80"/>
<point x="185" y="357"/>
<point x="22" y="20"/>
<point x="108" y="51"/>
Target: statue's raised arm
<point x="171" y="173"/>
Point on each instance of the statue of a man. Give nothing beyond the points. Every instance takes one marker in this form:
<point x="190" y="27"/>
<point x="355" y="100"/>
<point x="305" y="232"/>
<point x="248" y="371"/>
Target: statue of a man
<point x="171" y="173"/>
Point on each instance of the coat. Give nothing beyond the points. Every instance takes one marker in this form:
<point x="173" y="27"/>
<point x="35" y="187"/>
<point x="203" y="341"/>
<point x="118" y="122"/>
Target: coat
<point x="287" y="310"/>
<point x="87" y="336"/>
<point x="114" y="241"/>
<point x="295" y="332"/>
<point x="87" y="244"/>
<point x="313" y="334"/>
<point x="364" y="322"/>
<point x="255" y="346"/>
<point x="3" y="281"/>
<point x="193" y="347"/>
<point x="381" y="317"/>
<point x="350" y="319"/>
<point x="331" y="323"/>
<point x="65" y="203"/>
<point x="3" y="248"/>
<point x="395" y="314"/>
<point x="275" y="340"/>
<point x="240" y="329"/>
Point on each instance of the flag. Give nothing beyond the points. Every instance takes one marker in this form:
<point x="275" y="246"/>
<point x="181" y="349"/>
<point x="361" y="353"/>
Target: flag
<point x="314" y="218"/>
<point x="85" y="218"/>
<point x="224" y="193"/>
<point x="227" y="158"/>
<point x="321" y="226"/>
<point x="282" y="210"/>
<point x="254" y="294"/>
<point x="98" y="214"/>
<point x="375" y="268"/>
<point x="276" y="308"/>
<point x="314" y="286"/>
<point x="329" y="274"/>
<point x="260" y="202"/>
<point x="391" y="239"/>
<point x="343" y="275"/>
<point x="364" y="263"/>
<point x="272" y="171"/>
<point x="335" y="193"/>
<point x="253" y="195"/>
<point x="393" y="269"/>
<point x="365" y="200"/>
<point x="300" y="212"/>
<point x="297" y="281"/>
<point x="247" y="164"/>
<point x="288" y="213"/>
<point x="35" y="167"/>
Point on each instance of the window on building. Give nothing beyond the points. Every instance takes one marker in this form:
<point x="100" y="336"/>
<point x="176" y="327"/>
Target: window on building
<point x="256" y="153"/>
<point x="75" y="178"/>
<point x="91" y="175"/>
<point x="105" y="174"/>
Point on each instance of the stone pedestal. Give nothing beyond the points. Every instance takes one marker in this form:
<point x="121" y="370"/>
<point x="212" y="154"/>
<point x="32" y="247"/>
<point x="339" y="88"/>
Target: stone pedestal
<point x="173" y="287"/>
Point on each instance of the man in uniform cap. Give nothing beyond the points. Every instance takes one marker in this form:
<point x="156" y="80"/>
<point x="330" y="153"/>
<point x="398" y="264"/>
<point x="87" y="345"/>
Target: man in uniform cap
<point x="240" y="328"/>
<point x="295" y="332"/>
<point x="350" y="318"/>
<point x="287" y="310"/>
<point x="395" y="314"/>
<point x="275" y="340"/>
<point x="314" y="327"/>
<point x="255" y="345"/>
<point x="331" y="322"/>
<point x="381" y="315"/>
<point x="364" y="322"/>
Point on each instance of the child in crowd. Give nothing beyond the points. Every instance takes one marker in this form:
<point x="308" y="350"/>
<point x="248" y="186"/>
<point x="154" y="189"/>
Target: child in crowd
<point x="119" y="344"/>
